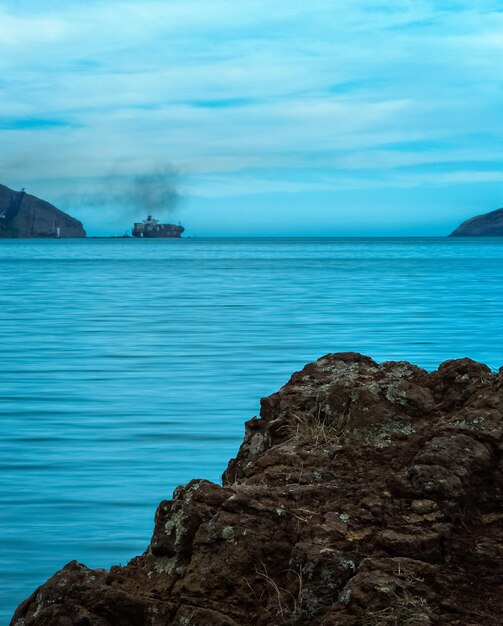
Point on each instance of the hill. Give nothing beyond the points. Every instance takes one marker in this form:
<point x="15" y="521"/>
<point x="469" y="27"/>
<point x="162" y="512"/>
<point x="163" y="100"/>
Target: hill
<point x="24" y="215"/>
<point x="486" y="225"/>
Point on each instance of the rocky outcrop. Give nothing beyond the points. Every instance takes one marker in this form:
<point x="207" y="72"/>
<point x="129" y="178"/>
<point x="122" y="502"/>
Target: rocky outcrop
<point x="24" y="215"/>
<point x="365" y="494"/>
<point x="486" y="225"/>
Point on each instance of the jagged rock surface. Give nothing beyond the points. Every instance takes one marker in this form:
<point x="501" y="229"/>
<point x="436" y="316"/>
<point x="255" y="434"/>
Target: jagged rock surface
<point x="365" y="494"/>
<point x="24" y="215"/>
<point x="486" y="225"/>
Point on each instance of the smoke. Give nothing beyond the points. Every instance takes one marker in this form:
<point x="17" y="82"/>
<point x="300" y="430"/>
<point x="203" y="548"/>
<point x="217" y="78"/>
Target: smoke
<point x="155" y="192"/>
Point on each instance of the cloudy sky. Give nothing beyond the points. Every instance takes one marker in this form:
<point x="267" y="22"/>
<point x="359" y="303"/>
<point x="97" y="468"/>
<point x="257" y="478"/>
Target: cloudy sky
<point x="278" y="117"/>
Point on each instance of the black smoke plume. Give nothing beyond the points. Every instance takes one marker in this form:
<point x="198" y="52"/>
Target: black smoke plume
<point x="156" y="192"/>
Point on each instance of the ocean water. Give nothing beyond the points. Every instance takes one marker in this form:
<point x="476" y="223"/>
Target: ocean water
<point x="129" y="366"/>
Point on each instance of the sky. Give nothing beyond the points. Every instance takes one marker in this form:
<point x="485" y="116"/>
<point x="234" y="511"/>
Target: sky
<point x="320" y="118"/>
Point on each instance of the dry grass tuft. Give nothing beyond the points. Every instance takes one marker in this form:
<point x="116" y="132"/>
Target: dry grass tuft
<point x="313" y="430"/>
<point x="320" y="428"/>
<point x="283" y="606"/>
<point x="405" y="609"/>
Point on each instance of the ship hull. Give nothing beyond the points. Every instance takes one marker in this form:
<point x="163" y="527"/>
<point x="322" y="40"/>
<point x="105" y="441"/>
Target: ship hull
<point x="156" y="236"/>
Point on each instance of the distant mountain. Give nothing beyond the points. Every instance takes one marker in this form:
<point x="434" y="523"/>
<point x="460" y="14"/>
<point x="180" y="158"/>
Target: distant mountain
<point x="486" y="225"/>
<point x="24" y="215"/>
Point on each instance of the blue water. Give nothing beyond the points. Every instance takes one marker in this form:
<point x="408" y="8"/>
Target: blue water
<point x="129" y="366"/>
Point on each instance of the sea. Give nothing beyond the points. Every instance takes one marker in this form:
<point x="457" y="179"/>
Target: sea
<point x="129" y="366"/>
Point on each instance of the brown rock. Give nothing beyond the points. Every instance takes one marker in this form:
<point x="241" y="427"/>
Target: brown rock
<point x="416" y="542"/>
<point x="364" y="494"/>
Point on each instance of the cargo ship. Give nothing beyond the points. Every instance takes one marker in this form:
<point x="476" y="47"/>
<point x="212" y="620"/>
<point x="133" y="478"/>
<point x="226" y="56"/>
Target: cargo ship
<point x="151" y="228"/>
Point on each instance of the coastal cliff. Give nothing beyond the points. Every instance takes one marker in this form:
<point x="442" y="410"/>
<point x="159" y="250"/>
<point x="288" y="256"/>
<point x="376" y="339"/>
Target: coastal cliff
<point x="24" y="215"/>
<point x="365" y="494"/>
<point x="486" y="225"/>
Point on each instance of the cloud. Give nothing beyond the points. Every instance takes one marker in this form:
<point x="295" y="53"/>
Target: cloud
<point x="30" y="123"/>
<point x="257" y="97"/>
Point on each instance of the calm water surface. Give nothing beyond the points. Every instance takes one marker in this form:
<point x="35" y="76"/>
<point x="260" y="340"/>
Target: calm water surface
<point x="129" y="366"/>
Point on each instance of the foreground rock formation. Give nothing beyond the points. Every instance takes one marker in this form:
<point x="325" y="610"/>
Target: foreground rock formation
<point x="24" y="215"/>
<point x="486" y="225"/>
<point x="365" y="494"/>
